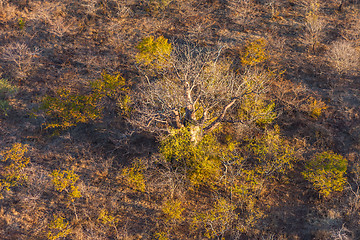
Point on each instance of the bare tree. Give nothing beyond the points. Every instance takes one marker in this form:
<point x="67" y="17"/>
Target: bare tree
<point x="199" y="90"/>
<point x="22" y="57"/>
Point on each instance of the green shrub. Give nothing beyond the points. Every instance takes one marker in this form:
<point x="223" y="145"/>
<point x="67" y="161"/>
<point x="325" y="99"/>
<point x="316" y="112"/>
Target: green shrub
<point x="316" y="107"/>
<point x="200" y="160"/>
<point x="154" y="53"/>
<point x="12" y="166"/>
<point x="254" y="109"/>
<point x="7" y="90"/>
<point x="216" y="221"/>
<point x="272" y="153"/>
<point x="4" y="106"/>
<point x="173" y="211"/>
<point x="65" y="180"/>
<point x="134" y="176"/>
<point x="109" y="85"/>
<point x="155" y="6"/>
<point x="58" y="228"/>
<point x="326" y="172"/>
<point x="254" y="53"/>
<point x="115" y="88"/>
<point x="67" y="109"/>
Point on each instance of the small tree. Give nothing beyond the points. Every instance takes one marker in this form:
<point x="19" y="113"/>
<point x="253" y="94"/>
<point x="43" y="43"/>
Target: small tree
<point x="65" y="180"/>
<point x="134" y="176"/>
<point x="201" y="161"/>
<point x="7" y="90"/>
<point x="68" y="108"/>
<point x="13" y="162"/>
<point x="272" y="153"/>
<point x="153" y="52"/>
<point x="326" y="172"/>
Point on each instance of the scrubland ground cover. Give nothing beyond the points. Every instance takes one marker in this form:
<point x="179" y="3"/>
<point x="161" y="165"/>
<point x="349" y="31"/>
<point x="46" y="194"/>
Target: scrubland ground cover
<point x="179" y="119"/>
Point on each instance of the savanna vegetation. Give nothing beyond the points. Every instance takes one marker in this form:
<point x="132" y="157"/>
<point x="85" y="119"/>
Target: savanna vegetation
<point x="180" y="119"/>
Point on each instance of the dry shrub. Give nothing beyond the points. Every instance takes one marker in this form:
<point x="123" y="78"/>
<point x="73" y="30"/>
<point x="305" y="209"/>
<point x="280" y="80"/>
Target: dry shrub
<point x="7" y="11"/>
<point x="242" y="11"/>
<point x="352" y="32"/>
<point x="22" y="57"/>
<point x="343" y="56"/>
<point x="314" y="24"/>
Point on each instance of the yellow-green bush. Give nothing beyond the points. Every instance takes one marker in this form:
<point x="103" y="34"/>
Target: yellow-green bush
<point x="58" y="228"/>
<point x="200" y="160"/>
<point x="272" y="153"/>
<point x="157" y="5"/>
<point x="326" y="172"/>
<point x="254" y="53"/>
<point x="216" y="221"/>
<point x="107" y="219"/>
<point x="173" y="211"/>
<point x="254" y="109"/>
<point x="109" y="85"/>
<point x="316" y="107"/>
<point x="67" y="109"/>
<point x="154" y="52"/>
<point x="134" y="176"/>
<point x="7" y="90"/>
<point x="65" y="180"/>
<point x="13" y="162"/>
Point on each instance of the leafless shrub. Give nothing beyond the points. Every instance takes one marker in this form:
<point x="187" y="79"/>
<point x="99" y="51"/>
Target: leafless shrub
<point x="122" y="8"/>
<point x="313" y="25"/>
<point x="352" y="32"/>
<point x="310" y="5"/>
<point x="90" y="6"/>
<point x="343" y="56"/>
<point x="59" y="26"/>
<point x="22" y="57"/>
<point x="242" y="11"/>
<point x="341" y="234"/>
<point x="45" y="11"/>
<point x="7" y="11"/>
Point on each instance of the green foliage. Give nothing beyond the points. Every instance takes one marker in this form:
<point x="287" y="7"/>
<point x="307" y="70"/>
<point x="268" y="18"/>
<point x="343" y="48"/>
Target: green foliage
<point x="154" y="53"/>
<point x="4" y="106"/>
<point x="173" y="210"/>
<point x="158" y="5"/>
<point x="254" y="53"/>
<point x="246" y="188"/>
<point x="115" y="88"/>
<point x="134" y="176"/>
<point x="14" y="162"/>
<point x="326" y="172"/>
<point x="58" y="228"/>
<point x="217" y="220"/>
<point x="67" y="109"/>
<point x="272" y="153"/>
<point x="21" y="23"/>
<point x="316" y="107"/>
<point x="200" y="160"/>
<point x="109" y="85"/>
<point x="161" y="236"/>
<point x="7" y="90"/>
<point x="254" y="109"/>
<point x="65" y="180"/>
<point x="106" y="218"/>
